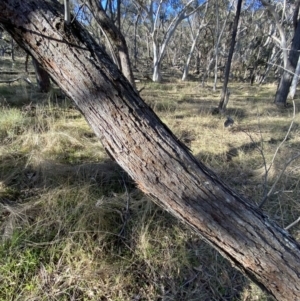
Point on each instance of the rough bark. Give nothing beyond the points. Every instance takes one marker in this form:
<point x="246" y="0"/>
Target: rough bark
<point x="161" y="166"/>
<point x="223" y="103"/>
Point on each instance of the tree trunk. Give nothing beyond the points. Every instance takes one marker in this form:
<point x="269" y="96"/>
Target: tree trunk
<point x="295" y="81"/>
<point x="42" y="77"/>
<point x="197" y="63"/>
<point x="115" y="36"/>
<point x="161" y="166"/>
<point x="216" y="46"/>
<point x="159" y="48"/>
<point x="12" y="50"/>
<point x="67" y="12"/>
<point x="135" y="51"/>
<point x="288" y="73"/>
<point x="156" y="75"/>
<point x="283" y="45"/>
<point x="217" y="42"/>
<point x="223" y="103"/>
<point x="187" y="64"/>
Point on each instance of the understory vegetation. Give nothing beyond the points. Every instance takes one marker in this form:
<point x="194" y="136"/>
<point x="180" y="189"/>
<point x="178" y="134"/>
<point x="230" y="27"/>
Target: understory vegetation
<point x="75" y="227"/>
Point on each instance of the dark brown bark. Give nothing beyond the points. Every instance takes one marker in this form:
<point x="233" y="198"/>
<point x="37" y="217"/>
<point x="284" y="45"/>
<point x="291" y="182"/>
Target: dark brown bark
<point x="295" y="15"/>
<point x="42" y="77"/>
<point x="161" y="166"/>
<point x="224" y="96"/>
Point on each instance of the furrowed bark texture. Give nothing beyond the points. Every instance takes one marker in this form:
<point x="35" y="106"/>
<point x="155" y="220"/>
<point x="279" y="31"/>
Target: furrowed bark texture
<point x="162" y="167"/>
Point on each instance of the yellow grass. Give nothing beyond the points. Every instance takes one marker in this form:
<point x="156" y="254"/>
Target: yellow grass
<point x="74" y="226"/>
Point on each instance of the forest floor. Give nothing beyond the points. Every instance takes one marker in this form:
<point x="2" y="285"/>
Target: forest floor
<point x="74" y="226"/>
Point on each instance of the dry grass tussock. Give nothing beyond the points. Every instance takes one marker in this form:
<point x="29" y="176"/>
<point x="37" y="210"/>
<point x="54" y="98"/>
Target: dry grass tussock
<point x="74" y="226"/>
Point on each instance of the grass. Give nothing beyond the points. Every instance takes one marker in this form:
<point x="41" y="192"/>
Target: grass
<point x="74" y="226"/>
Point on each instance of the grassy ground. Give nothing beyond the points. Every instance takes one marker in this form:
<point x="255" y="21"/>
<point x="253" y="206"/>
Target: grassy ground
<point x="73" y="225"/>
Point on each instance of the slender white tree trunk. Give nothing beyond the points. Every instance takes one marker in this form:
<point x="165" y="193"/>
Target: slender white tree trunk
<point x="186" y="67"/>
<point x="195" y="39"/>
<point x="295" y="81"/>
<point x="156" y="76"/>
<point x="216" y="47"/>
<point x="159" y="52"/>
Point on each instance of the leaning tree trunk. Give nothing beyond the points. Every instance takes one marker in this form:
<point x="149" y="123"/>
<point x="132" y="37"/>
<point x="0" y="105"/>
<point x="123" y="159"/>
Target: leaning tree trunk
<point x="161" y="166"/>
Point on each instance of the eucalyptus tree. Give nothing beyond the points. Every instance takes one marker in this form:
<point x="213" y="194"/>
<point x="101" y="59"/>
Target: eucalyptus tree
<point x="156" y="14"/>
<point x="295" y="81"/>
<point x="259" y="52"/>
<point x="222" y="14"/>
<point x="159" y="163"/>
<point x="290" y="50"/>
<point x="282" y="40"/>
<point x="196" y="25"/>
<point x="268" y="54"/>
<point x="297" y="71"/>
<point x="225" y="93"/>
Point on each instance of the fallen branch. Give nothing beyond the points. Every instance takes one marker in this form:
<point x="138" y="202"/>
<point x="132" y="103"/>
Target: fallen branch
<point x="293" y="224"/>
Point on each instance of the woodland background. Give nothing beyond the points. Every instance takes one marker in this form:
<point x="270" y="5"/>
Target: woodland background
<point x="75" y="227"/>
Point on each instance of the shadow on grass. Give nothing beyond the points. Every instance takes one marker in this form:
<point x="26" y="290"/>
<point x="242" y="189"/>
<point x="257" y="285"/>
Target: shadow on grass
<point x="98" y="207"/>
